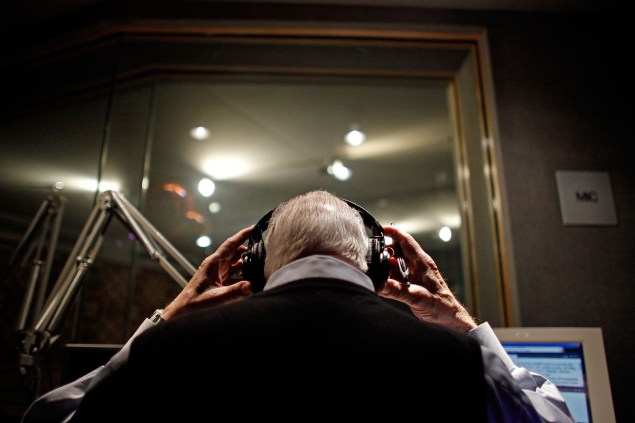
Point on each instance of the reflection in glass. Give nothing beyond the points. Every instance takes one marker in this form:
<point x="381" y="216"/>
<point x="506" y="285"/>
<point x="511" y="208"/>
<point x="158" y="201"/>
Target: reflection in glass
<point x="274" y="140"/>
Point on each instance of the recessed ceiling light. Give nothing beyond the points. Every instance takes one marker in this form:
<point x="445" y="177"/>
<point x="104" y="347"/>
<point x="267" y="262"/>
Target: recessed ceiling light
<point x="339" y="171"/>
<point x="175" y="188"/>
<point x="199" y="133"/>
<point x="445" y="234"/>
<point x="214" y="207"/>
<point x="195" y="216"/>
<point x="203" y="241"/>
<point x="206" y="187"/>
<point x="355" y="137"/>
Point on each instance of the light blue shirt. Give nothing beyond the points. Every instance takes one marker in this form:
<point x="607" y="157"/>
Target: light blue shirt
<point x="318" y="266"/>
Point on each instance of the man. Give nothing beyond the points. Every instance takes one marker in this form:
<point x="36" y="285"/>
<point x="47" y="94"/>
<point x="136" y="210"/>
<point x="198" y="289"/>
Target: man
<point x="316" y="342"/>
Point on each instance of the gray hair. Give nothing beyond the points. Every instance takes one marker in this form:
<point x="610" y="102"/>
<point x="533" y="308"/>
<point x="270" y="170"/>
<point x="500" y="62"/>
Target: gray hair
<point x="315" y="223"/>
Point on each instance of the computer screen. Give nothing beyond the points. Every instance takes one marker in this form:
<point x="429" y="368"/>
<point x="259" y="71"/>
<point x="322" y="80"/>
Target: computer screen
<point x="573" y="359"/>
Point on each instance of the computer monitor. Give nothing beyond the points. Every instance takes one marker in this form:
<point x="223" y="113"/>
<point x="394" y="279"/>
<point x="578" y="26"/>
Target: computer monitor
<point x="573" y="359"/>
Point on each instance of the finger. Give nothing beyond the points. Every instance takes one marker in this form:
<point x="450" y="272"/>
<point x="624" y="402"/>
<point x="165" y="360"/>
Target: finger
<point x="392" y="290"/>
<point x="228" y="248"/>
<point x="407" y="294"/>
<point x="215" y="266"/>
<point x="410" y="247"/>
<point x="238" y="255"/>
<point x="225" y="294"/>
<point x="418" y="260"/>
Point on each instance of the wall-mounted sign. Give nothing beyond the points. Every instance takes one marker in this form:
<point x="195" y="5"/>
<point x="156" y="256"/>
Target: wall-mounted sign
<point x="585" y="198"/>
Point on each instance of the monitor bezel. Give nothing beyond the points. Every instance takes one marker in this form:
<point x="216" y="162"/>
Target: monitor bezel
<point x="598" y="381"/>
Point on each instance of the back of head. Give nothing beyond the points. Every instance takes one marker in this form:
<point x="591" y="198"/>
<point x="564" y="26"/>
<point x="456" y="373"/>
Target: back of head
<point x="315" y="223"/>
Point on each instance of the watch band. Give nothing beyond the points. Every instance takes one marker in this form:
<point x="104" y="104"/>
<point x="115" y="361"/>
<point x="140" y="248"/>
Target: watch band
<point x="156" y="316"/>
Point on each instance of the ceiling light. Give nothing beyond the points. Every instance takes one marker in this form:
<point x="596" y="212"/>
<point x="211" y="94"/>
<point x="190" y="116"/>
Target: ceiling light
<point x="355" y="137"/>
<point x="195" y="216"/>
<point x="175" y="188"/>
<point x="214" y="207"/>
<point x="224" y="167"/>
<point x="203" y="241"/>
<point x="199" y="133"/>
<point x="206" y="187"/>
<point x="445" y="234"/>
<point x="89" y="184"/>
<point x="108" y="186"/>
<point x="339" y="171"/>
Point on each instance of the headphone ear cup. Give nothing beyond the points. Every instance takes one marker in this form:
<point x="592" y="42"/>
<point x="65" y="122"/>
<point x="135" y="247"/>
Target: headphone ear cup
<point x="254" y="266"/>
<point x="377" y="259"/>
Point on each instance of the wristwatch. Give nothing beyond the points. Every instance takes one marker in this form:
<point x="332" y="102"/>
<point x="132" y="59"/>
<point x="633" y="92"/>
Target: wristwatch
<point x="156" y="316"/>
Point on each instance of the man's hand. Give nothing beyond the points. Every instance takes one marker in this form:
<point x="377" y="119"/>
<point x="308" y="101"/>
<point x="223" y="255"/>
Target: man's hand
<point x="428" y="295"/>
<point x="211" y="284"/>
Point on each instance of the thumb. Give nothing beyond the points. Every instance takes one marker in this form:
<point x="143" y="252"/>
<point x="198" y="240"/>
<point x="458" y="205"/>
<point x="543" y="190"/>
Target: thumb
<point x="226" y="294"/>
<point x="394" y="290"/>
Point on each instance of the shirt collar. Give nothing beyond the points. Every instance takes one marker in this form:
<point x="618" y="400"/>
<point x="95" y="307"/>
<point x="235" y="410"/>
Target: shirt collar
<point x="318" y="266"/>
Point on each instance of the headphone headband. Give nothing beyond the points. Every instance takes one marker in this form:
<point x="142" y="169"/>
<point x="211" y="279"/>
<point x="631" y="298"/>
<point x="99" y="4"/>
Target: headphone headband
<point x="376" y="258"/>
<point x="369" y="220"/>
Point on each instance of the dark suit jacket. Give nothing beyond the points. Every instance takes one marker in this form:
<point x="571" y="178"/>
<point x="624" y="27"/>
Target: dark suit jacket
<point x="310" y="349"/>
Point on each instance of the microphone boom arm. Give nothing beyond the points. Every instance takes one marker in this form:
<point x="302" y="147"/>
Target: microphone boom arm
<point x="110" y="203"/>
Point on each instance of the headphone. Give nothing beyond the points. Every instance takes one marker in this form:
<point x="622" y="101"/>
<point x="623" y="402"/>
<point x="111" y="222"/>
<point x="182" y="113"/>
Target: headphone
<point x="377" y="257"/>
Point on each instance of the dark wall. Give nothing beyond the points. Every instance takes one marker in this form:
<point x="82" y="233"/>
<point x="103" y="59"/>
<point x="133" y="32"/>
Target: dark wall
<point x="563" y="98"/>
<point x="563" y="86"/>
